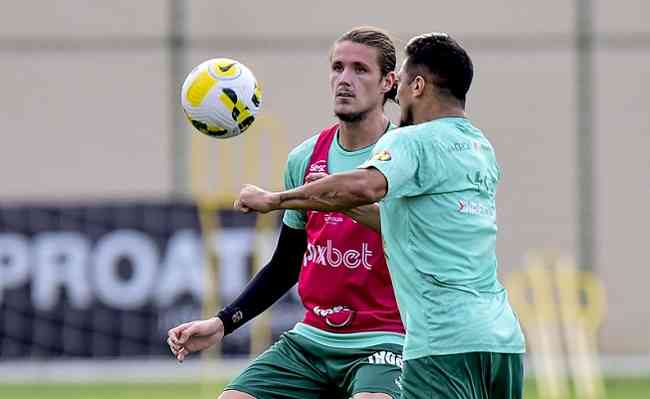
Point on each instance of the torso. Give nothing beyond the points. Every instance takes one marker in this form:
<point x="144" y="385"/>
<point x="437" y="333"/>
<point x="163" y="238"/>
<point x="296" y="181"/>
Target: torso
<point x="344" y="283"/>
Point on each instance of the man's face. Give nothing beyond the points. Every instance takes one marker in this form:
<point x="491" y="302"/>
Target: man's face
<point x="355" y="80"/>
<point x="404" y="96"/>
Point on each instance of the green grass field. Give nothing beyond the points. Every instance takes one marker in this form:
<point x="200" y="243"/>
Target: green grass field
<point x="616" y="389"/>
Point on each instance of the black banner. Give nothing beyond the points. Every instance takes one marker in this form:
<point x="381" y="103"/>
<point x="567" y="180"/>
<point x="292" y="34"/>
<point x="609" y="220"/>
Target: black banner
<point x="108" y="280"/>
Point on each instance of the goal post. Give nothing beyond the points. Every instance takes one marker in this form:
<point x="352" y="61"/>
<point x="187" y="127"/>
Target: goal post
<point x="561" y="308"/>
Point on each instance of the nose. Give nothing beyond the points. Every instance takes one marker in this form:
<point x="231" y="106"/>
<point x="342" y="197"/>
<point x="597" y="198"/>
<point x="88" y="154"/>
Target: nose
<point x="345" y="77"/>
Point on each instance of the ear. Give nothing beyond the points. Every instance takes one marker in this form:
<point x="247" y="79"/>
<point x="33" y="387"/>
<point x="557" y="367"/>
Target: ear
<point x="389" y="81"/>
<point x="419" y="86"/>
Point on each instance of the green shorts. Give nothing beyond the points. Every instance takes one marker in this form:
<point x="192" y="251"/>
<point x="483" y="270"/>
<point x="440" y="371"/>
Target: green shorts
<point x="299" y="368"/>
<point x="474" y="375"/>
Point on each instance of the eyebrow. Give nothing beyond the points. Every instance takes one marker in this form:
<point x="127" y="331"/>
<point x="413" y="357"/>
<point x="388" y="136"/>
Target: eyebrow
<point x="353" y="63"/>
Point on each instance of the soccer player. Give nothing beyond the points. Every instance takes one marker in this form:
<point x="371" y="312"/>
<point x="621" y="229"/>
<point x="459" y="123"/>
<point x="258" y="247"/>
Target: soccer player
<point x="351" y="336"/>
<point x="436" y="180"/>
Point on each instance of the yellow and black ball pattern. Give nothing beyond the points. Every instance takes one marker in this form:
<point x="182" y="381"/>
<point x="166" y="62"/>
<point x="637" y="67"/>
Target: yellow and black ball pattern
<point x="221" y="97"/>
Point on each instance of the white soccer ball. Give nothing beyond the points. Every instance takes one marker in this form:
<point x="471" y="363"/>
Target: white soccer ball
<point x="221" y="98"/>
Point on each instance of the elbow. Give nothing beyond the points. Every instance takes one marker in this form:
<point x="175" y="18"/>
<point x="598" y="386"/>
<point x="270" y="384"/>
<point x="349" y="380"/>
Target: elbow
<point x="368" y="194"/>
<point x="374" y="194"/>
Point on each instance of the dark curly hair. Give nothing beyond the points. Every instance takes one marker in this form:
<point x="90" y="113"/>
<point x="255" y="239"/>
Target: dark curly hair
<point x="445" y="61"/>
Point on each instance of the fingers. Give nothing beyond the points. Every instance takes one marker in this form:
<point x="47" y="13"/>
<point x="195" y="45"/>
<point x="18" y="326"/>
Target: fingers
<point x="315" y="176"/>
<point x="178" y="336"/>
<point x="187" y="333"/>
<point x="174" y="347"/>
<point x="178" y="351"/>
<point x="174" y="333"/>
<point x="173" y="338"/>
<point x="240" y="207"/>
<point x="180" y="356"/>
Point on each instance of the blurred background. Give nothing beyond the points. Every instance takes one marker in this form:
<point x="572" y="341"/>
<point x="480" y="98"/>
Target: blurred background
<point x="114" y="220"/>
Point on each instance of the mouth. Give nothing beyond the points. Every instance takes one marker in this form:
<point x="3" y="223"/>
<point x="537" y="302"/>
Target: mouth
<point x="344" y="94"/>
<point x="344" y="98"/>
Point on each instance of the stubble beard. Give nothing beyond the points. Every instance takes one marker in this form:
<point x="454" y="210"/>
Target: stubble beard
<point x="352" y="117"/>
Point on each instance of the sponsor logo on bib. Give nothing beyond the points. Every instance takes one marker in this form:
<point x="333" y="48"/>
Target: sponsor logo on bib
<point x="328" y="255"/>
<point x="337" y="316"/>
<point x="318" y="167"/>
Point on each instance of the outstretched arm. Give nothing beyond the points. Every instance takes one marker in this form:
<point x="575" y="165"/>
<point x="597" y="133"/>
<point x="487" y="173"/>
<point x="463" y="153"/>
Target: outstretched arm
<point x="367" y="215"/>
<point x="268" y="285"/>
<point x="332" y="193"/>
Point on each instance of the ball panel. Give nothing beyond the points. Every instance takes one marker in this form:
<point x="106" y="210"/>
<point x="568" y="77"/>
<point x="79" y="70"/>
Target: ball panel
<point x="257" y="96"/>
<point x="199" y="88"/>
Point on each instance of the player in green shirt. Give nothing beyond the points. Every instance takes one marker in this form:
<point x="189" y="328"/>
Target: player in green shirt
<point x="435" y="179"/>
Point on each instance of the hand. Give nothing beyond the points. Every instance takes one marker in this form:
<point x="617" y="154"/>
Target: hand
<point x="315" y="176"/>
<point x="194" y="336"/>
<point x="253" y="198"/>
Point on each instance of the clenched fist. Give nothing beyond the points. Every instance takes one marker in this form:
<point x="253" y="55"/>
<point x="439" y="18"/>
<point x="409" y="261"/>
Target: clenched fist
<point x="253" y="198"/>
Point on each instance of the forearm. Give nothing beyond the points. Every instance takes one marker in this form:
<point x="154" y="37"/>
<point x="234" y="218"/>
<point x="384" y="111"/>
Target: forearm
<point x="270" y="283"/>
<point x="331" y="193"/>
<point x="367" y="215"/>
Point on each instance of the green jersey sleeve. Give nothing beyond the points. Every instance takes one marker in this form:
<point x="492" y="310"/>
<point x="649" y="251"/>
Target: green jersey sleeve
<point x="294" y="176"/>
<point x="408" y="169"/>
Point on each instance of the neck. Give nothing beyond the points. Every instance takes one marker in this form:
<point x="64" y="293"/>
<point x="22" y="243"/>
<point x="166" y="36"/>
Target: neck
<point x="357" y="135"/>
<point x="431" y="110"/>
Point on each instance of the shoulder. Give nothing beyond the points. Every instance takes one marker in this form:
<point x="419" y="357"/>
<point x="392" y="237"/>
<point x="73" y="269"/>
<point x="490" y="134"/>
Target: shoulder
<point x="303" y="151"/>
<point x="397" y="134"/>
<point x="408" y="136"/>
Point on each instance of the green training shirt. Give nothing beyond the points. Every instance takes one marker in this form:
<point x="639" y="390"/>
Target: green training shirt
<point x="438" y="221"/>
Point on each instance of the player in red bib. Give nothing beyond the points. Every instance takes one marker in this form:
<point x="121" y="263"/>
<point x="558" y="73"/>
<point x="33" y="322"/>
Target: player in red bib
<point x="350" y="341"/>
<point x="344" y="283"/>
